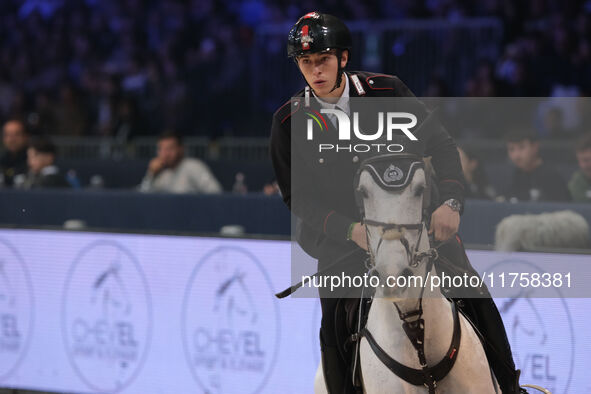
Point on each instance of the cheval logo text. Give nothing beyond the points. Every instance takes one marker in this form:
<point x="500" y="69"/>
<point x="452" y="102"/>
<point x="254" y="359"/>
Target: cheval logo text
<point x="16" y="309"/>
<point x="106" y="316"/>
<point x="231" y="326"/>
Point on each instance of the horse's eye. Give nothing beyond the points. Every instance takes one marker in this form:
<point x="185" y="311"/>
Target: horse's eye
<point x="363" y="192"/>
<point x="419" y="190"/>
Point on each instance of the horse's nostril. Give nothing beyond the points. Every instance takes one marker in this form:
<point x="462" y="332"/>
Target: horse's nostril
<point x="380" y="277"/>
<point x="406" y="273"/>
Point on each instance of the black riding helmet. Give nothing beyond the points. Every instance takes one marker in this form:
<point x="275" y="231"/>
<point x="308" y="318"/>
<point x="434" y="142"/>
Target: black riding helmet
<point x="316" y="32"/>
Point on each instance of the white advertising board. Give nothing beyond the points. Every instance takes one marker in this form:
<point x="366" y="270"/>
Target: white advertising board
<point x="123" y="313"/>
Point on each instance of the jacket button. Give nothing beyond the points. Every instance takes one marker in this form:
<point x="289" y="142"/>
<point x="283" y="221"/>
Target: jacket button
<point x="355" y="159"/>
<point x="321" y="160"/>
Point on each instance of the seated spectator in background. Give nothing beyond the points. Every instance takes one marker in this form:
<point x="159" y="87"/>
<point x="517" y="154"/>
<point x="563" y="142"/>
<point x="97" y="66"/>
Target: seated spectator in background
<point x="478" y="186"/>
<point x="579" y="185"/>
<point x="171" y="172"/>
<point x="533" y="180"/>
<point x="43" y="173"/>
<point x="14" y="160"/>
<point x="271" y="188"/>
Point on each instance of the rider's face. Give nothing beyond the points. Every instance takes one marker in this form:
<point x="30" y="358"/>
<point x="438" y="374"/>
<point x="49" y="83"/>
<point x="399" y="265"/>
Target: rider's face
<point x="320" y="71"/>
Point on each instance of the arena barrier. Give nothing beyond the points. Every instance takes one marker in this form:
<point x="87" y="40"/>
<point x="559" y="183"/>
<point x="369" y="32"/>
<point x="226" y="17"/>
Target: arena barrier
<point x="256" y="213"/>
<point x="128" y="313"/>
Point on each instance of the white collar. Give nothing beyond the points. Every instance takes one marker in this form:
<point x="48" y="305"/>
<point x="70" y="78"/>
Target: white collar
<point x="343" y="101"/>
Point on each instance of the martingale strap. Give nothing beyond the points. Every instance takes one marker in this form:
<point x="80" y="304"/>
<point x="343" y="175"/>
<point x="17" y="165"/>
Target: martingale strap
<point x="428" y="376"/>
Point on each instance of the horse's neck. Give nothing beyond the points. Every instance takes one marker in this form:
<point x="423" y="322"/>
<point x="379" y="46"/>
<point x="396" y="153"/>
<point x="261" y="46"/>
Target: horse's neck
<point x="385" y="325"/>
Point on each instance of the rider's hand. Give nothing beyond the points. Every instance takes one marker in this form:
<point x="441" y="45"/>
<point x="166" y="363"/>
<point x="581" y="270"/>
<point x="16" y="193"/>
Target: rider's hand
<point x="358" y="235"/>
<point x="445" y="222"/>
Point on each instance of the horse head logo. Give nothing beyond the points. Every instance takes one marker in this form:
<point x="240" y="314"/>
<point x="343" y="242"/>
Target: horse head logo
<point x="518" y="328"/>
<point x="234" y="298"/>
<point x="110" y="294"/>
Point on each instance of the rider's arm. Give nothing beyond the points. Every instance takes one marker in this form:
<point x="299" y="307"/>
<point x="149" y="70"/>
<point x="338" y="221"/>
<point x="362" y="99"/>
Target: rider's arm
<point x="309" y="208"/>
<point x="446" y="162"/>
<point x="443" y="151"/>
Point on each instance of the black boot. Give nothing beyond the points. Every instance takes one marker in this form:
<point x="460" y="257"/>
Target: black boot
<point x="519" y="389"/>
<point x="333" y="367"/>
<point x="486" y="317"/>
<point x="337" y="375"/>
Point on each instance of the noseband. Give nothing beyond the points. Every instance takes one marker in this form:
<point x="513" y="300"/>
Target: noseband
<point x="414" y="256"/>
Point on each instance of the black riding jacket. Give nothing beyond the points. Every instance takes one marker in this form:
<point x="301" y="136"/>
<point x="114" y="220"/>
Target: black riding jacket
<point x="327" y="209"/>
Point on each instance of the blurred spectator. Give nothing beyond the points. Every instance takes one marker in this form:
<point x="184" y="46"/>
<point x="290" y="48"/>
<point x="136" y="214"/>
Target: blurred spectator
<point x="239" y="186"/>
<point x="478" y="186"/>
<point x="43" y="173"/>
<point x="579" y="185"/>
<point x="483" y="83"/>
<point x="533" y="180"/>
<point x="70" y="114"/>
<point x="553" y="123"/>
<point x="271" y="189"/>
<point x="14" y="160"/>
<point x="102" y="67"/>
<point x="171" y="172"/>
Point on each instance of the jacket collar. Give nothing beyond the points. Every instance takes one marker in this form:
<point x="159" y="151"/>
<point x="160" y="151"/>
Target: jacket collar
<point x="356" y="88"/>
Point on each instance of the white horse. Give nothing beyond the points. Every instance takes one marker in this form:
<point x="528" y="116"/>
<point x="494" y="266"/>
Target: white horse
<point x="392" y="247"/>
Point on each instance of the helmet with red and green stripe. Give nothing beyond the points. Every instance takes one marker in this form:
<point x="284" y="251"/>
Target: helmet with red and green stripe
<point x="316" y="33"/>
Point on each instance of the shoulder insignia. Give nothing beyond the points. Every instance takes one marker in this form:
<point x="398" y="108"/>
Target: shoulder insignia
<point x="288" y="109"/>
<point x="380" y="82"/>
<point x="357" y="84"/>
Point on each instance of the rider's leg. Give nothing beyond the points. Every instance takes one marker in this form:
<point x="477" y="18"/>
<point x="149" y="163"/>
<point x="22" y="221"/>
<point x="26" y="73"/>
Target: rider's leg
<point x="484" y="314"/>
<point x="486" y="317"/>
<point x="336" y="369"/>
<point x="333" y="366"/>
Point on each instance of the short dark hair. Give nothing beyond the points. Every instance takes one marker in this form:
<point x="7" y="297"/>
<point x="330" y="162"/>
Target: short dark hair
<point x="43" y="145"/>
<point x="171" y="134"/>
<point x="583" y="143"/>
<point x="521" y="134"/>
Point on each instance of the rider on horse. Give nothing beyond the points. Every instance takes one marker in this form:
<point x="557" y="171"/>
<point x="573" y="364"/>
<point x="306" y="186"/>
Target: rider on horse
<point x="329" y="227"/>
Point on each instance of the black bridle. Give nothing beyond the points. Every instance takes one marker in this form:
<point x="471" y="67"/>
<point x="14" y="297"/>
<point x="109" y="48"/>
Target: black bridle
<point x="413" y="254"/>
